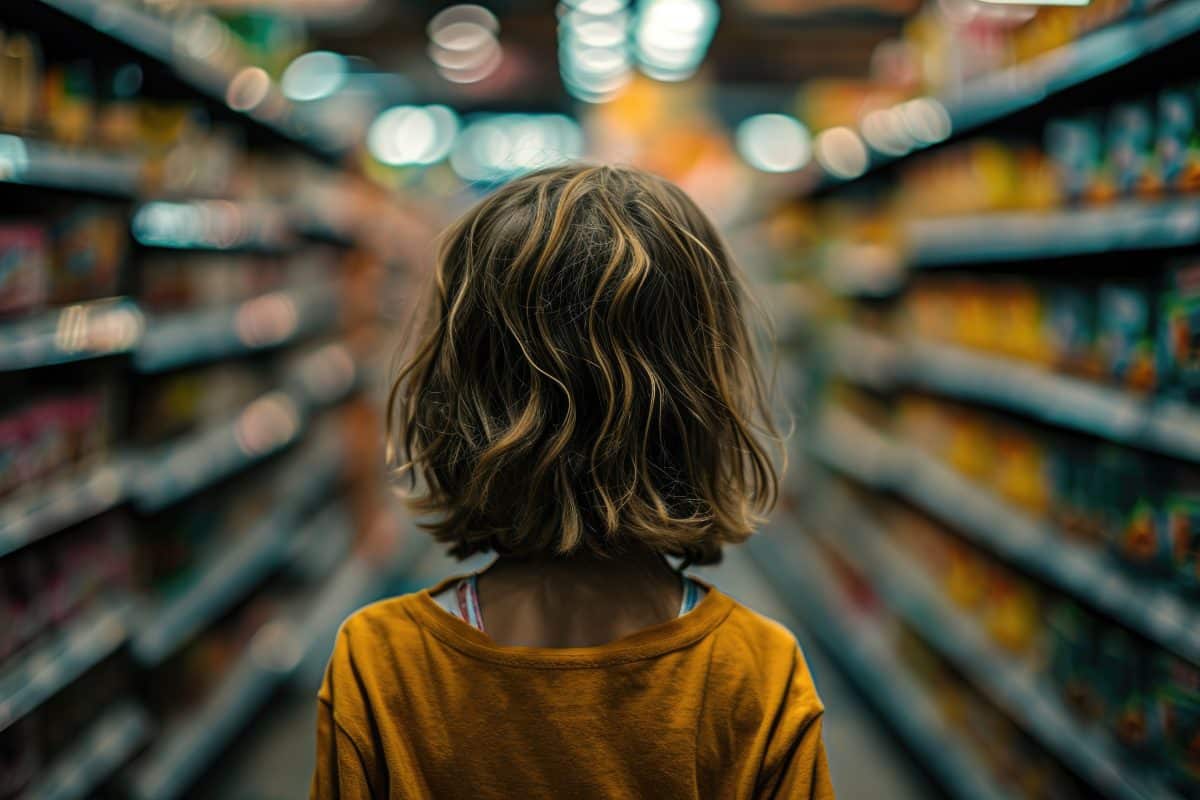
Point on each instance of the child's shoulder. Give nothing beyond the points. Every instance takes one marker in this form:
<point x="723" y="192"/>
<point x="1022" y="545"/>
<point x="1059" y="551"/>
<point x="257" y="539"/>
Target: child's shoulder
<point x="388" y="617"/>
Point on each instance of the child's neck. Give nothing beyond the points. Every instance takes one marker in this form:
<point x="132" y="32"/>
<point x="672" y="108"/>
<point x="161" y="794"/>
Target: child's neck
<point x="577" y="601"/>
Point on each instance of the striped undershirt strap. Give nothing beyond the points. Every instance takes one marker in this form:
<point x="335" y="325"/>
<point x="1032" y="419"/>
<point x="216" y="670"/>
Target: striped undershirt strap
<point x="466" y="594"/>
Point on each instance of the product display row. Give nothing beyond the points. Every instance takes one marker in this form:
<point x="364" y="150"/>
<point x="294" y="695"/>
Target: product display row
<point x="189" y="324"/>
<point x="1002" y="419"/>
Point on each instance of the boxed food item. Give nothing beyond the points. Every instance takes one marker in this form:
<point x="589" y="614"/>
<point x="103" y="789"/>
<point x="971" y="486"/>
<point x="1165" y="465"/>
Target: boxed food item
<point x="1178" y="146"/>
<point x="24" y="267"/>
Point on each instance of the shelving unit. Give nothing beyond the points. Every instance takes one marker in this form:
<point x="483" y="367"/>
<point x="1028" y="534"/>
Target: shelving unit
<point x="237" y="569"/>
<point x="305" y="552"/>
<point x="1009" y="682"/>
<point x="182" y="50"/>
<point x="269" y="320"/>
<point x="1018" y="236"/>
<point x="32" y="162"/>
<point x="851" y="448"/>
<point x="1162" y="426"/>
<point x="1001" y="94"/>
<point x="186" y="747"/>
<point x="27" y="517"/>
<point x="101" y="749"/>
<point x="861" y="650"/>
<point x="39" y="673"/>
<point x="75" y="333"/>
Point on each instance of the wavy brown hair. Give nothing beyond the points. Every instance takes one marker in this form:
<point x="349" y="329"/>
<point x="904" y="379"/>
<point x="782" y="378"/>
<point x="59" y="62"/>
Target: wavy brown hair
<point x="585" y="377"/>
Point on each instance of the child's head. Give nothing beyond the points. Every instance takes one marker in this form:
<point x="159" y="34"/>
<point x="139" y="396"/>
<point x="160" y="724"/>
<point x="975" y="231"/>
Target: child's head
<point x="585" y="379"/>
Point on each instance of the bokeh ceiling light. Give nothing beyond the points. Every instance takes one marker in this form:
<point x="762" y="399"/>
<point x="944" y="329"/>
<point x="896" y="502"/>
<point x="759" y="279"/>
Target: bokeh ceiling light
<point x="463" y="43"/>
<point x="314" y="76"/>
<point x="413" y="135"/>
<point x="841" y="152"/>
<point x="673" y="36"/>
<point x="594" y="54"/>
<point x="447" y="25"/>
<point x="774" y="143"/>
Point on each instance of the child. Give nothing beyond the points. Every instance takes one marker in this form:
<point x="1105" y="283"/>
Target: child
<point x="583" y="402"/>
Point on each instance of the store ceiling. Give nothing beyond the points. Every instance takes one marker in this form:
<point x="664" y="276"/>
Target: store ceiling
<point x="776" y="43"/>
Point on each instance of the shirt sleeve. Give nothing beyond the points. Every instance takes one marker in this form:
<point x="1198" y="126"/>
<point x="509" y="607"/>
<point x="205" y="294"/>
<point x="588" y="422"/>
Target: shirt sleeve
<point x="795" y="766"/>
<point x="346" y="764"/>
<point x="340" y="773"/>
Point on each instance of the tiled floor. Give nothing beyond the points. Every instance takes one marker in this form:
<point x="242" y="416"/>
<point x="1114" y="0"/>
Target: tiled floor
<point x="274" y="759"/>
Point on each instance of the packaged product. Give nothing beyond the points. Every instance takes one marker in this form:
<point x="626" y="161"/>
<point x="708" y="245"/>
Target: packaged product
<point x="90" y="247"/>
<point x="1124" y="679"/>
<point x="1131" y="491"/>
<point x="20" y="82"/>
<point x="1070" y="321"/>
<point x="24" y="268"/>
<point x="69" y="99"/>
<point x="1181" y="511"/>
<point x="1076" y="149"/>
<point x="1073" y="645"/>
<point x="1021" y="330"/>
<point x="1179" y="137"/>
<point x="1012" y="613"/>
<point x="1179" y="330"/>
<point x="1021" y="470"/>
<point x="1126" y="334"/>
<point x="1076" y="489"/>
<point x="12" y="449"/>
<point x="1131" y="145"/>
<point x="1178" y="697"/>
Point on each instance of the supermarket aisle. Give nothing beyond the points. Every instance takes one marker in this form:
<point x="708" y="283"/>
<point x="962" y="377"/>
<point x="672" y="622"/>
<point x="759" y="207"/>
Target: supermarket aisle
<point x="275" y="759"/>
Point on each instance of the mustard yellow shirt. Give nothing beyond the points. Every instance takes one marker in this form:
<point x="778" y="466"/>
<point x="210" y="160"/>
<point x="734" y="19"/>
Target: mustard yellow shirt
<point x="717" y="703"/>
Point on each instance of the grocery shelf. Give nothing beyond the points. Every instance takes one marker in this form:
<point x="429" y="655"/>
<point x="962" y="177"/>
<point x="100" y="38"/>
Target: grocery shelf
<point x="1014" y="236"/>
<point x="1048" y="554"/>
<point x="238" y="567"/>
<point x="269" y="320"/>
<point x="213" y="225"/>
<point x="186" y="747"/>
<point x="286" y="649"/>
<point x="356" y="583"/>
<point x="866" y="358"/>
<point x="1002" y="93"/>
<point x="197" y="460"/>
<point x="33" y="162"/>
<point x="324" y="376"/>
<point x="181" y="50"/>
<point x="37" y="674"/>
<point x="860" y="648"/>
<point x="1163" y="426"/>
<point x="72" y="333"/>
<point x="80" y="494"/>
<point x="1008" y="681"/>
<point x="1167" y="427"/>
<point x="102" y="748"/>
